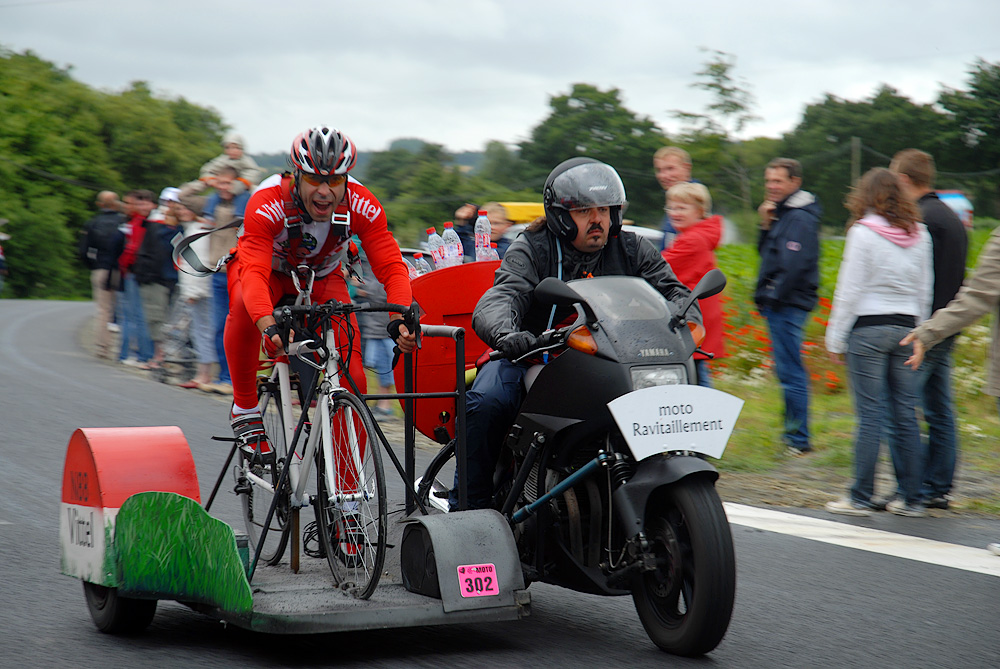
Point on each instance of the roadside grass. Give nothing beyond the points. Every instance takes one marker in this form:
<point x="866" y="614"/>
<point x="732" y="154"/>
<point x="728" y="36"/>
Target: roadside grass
<point x="747" y="372"/>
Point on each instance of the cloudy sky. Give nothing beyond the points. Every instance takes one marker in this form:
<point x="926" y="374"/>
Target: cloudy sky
<point x="463" y="72"/>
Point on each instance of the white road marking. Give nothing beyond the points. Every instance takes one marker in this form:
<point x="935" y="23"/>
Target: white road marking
<point x="977" y="560"/>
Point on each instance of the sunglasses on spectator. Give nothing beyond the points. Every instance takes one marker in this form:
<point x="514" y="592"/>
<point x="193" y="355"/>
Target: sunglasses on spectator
<point x="317" y="179"/>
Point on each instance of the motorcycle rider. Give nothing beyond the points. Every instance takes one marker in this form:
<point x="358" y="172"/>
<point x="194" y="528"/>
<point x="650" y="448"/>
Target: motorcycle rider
<point x="579" y="236"/>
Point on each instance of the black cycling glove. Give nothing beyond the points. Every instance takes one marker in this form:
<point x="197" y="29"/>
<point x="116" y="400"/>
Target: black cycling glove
<point x="516" y="344"/>
<point x="393" y="328"/>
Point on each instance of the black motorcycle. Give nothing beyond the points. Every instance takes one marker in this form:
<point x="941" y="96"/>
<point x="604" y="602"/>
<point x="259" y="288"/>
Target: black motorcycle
<point x="604" y="479"/>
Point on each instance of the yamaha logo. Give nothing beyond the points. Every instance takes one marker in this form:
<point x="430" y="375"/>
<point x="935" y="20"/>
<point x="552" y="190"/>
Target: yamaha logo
<point x="654" y="352"/>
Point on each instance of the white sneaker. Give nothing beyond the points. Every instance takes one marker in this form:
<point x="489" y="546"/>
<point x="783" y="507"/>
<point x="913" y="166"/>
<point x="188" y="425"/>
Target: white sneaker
<point x="901" y="508"/>
<point x="847" y="507"/>
<point x="114" y="327"/>
<point x="994" y="548"/>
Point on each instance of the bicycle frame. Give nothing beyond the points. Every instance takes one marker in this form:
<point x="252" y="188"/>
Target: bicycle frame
<point x="298" y="473"/>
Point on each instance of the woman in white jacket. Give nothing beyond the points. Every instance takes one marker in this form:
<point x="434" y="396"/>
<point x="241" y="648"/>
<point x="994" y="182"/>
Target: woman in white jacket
<point x="884" y="289"/>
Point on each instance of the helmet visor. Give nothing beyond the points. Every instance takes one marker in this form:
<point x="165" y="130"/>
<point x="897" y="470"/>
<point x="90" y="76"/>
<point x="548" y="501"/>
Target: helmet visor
<point x="588" y="185"/>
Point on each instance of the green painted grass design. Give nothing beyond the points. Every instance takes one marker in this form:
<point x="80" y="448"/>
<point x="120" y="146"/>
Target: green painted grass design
<point x="168" y="547"/>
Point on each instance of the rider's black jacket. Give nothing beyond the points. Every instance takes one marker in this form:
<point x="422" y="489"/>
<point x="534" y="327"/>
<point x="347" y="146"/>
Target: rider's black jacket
<point x="509" y="306"/>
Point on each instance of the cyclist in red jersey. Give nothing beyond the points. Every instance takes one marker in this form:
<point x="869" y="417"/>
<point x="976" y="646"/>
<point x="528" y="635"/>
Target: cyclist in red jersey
<point x="304" y="218"/>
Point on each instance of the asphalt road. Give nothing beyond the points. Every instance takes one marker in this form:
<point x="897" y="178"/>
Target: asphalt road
<point x="800" y="603"/>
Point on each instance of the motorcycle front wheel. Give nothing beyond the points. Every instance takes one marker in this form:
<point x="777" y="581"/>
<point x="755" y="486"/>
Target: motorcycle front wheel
<point x="685" y="604"/>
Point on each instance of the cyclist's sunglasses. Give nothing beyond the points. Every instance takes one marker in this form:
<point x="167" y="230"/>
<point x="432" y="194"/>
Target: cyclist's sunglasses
<point x="317" y="179"/>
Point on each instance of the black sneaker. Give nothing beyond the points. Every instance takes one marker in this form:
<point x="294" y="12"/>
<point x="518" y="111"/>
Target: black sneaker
<point x="937" y="502"/>
<point x="249" y="432"/>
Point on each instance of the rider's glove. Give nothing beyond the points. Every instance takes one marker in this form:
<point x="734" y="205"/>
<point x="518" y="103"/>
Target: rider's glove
<point x="516" y="344"/>
<point x="270" y="350"/>
<point x="393" y="328"/>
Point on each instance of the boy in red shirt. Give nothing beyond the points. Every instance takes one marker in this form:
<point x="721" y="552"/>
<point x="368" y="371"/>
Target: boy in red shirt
<point x="692" y="254"/>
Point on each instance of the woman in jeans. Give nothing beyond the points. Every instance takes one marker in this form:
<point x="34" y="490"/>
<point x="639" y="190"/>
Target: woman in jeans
<point x="884" y="289"/>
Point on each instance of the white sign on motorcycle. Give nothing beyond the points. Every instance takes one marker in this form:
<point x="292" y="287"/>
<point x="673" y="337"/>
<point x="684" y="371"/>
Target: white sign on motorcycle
<point x="676" y="418"/>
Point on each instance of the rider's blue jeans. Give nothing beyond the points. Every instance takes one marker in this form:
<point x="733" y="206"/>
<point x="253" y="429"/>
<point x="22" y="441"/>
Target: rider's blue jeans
<point x="491" y="407"/>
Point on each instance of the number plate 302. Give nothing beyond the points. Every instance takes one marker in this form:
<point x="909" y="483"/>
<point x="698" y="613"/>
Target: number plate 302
<point x="477" y="580"/>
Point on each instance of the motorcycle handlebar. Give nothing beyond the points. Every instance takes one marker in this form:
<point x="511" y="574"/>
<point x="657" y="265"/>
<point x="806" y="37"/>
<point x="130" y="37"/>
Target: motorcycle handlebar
<point x="546" y="341"/>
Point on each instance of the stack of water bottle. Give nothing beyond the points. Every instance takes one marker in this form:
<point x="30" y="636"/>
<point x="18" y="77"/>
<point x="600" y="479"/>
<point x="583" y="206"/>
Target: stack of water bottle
<point x="446" y="248"/>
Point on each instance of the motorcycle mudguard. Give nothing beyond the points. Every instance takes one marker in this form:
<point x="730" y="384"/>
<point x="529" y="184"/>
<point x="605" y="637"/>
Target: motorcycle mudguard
<point x="447" y="556"/>
<point x="652" y="473"/>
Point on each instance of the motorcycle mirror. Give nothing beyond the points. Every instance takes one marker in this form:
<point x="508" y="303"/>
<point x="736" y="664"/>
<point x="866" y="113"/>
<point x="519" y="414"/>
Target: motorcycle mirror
<point x="711" y="284"/>
<point x="551" y="290"/>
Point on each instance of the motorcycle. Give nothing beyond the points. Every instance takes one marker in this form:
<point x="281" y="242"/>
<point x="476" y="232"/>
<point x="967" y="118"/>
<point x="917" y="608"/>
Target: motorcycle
<point x="603" y="479"/>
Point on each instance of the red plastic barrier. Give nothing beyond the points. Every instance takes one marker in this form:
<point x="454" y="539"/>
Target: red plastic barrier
<point x="447" y="296"/>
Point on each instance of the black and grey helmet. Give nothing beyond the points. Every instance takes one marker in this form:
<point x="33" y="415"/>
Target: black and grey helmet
<point x="580" y="183"/>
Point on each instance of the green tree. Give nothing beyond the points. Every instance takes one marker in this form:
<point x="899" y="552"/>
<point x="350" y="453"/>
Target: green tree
<point x="711" y="135"/>
<point x="886" y="122"/>
<point x="976" y="112"/>
<point x="61" y="142"/>
<point x="505" y="167"/>
<point x="594" y="123"/>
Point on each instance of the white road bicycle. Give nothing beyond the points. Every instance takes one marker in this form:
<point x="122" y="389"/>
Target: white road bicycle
<point x="331" y="428"/>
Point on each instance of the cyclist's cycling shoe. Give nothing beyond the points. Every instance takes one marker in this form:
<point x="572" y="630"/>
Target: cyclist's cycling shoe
<point x="249" y="432"/>
<point x="350" y="540"/>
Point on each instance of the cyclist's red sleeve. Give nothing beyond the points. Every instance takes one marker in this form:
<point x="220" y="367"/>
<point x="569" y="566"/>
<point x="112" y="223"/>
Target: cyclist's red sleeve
<point x="369" y="222"/>
<point x="255" y="248"/>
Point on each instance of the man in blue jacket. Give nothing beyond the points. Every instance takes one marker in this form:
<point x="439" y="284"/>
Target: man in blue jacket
<point x="786" y="286"/>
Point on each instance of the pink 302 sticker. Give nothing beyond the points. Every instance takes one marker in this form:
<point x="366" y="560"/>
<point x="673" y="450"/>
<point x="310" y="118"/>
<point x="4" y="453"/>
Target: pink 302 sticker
<point x="477" y="580"/>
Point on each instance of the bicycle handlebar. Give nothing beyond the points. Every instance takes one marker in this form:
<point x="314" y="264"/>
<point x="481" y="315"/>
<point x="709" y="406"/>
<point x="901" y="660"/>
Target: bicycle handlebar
<point x="334" y="308"/>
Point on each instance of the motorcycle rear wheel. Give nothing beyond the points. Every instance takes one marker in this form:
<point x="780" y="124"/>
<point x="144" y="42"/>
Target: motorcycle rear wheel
<point x="685" y="604"/>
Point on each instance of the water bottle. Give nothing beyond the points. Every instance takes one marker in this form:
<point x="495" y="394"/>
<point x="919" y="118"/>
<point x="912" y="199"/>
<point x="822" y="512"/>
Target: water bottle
<point x="435" y="244"/>
<point x="483" y="231"/>
<point x="422" y="266"/>
<point x="493" y="254"/>
<point x="452" y="244"/>
<point x="413" y="271"/>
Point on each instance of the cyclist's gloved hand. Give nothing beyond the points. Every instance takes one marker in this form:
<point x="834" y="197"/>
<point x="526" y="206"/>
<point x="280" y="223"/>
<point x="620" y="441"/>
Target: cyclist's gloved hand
<point x="401" y="335"/>
<point x="516" y="344"/>
<point x="272" y="350"/>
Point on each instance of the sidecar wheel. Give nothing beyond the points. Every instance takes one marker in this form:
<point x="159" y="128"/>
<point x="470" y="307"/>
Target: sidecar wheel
<point x="114" y="614"/>
<point x="685" y="605"/>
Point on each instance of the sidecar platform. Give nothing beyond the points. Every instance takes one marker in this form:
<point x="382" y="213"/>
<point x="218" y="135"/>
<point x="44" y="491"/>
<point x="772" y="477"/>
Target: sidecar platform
<point x="143" y="535"/>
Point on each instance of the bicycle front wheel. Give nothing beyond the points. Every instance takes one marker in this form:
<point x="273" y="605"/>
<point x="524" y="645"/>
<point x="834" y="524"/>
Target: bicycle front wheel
<point x="350" y="499"/>
<point x="257" y="481"/>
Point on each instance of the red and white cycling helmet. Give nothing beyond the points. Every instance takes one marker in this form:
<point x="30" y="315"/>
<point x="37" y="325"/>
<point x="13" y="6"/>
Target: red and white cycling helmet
<point x="323" y="150"/>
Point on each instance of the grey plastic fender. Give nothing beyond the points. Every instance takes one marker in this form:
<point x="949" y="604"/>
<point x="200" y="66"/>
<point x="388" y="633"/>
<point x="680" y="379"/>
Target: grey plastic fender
<point x="652" y="473"/>
<point x="436" y="550"/>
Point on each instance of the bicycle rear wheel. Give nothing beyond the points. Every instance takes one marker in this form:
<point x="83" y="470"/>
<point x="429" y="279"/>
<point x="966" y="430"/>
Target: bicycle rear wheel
<point x="350" y="499"/>
<point x="257" y="481"/>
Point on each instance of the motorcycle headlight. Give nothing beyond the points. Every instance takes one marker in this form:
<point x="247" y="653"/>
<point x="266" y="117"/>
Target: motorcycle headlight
<point x="666" y="375"/>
